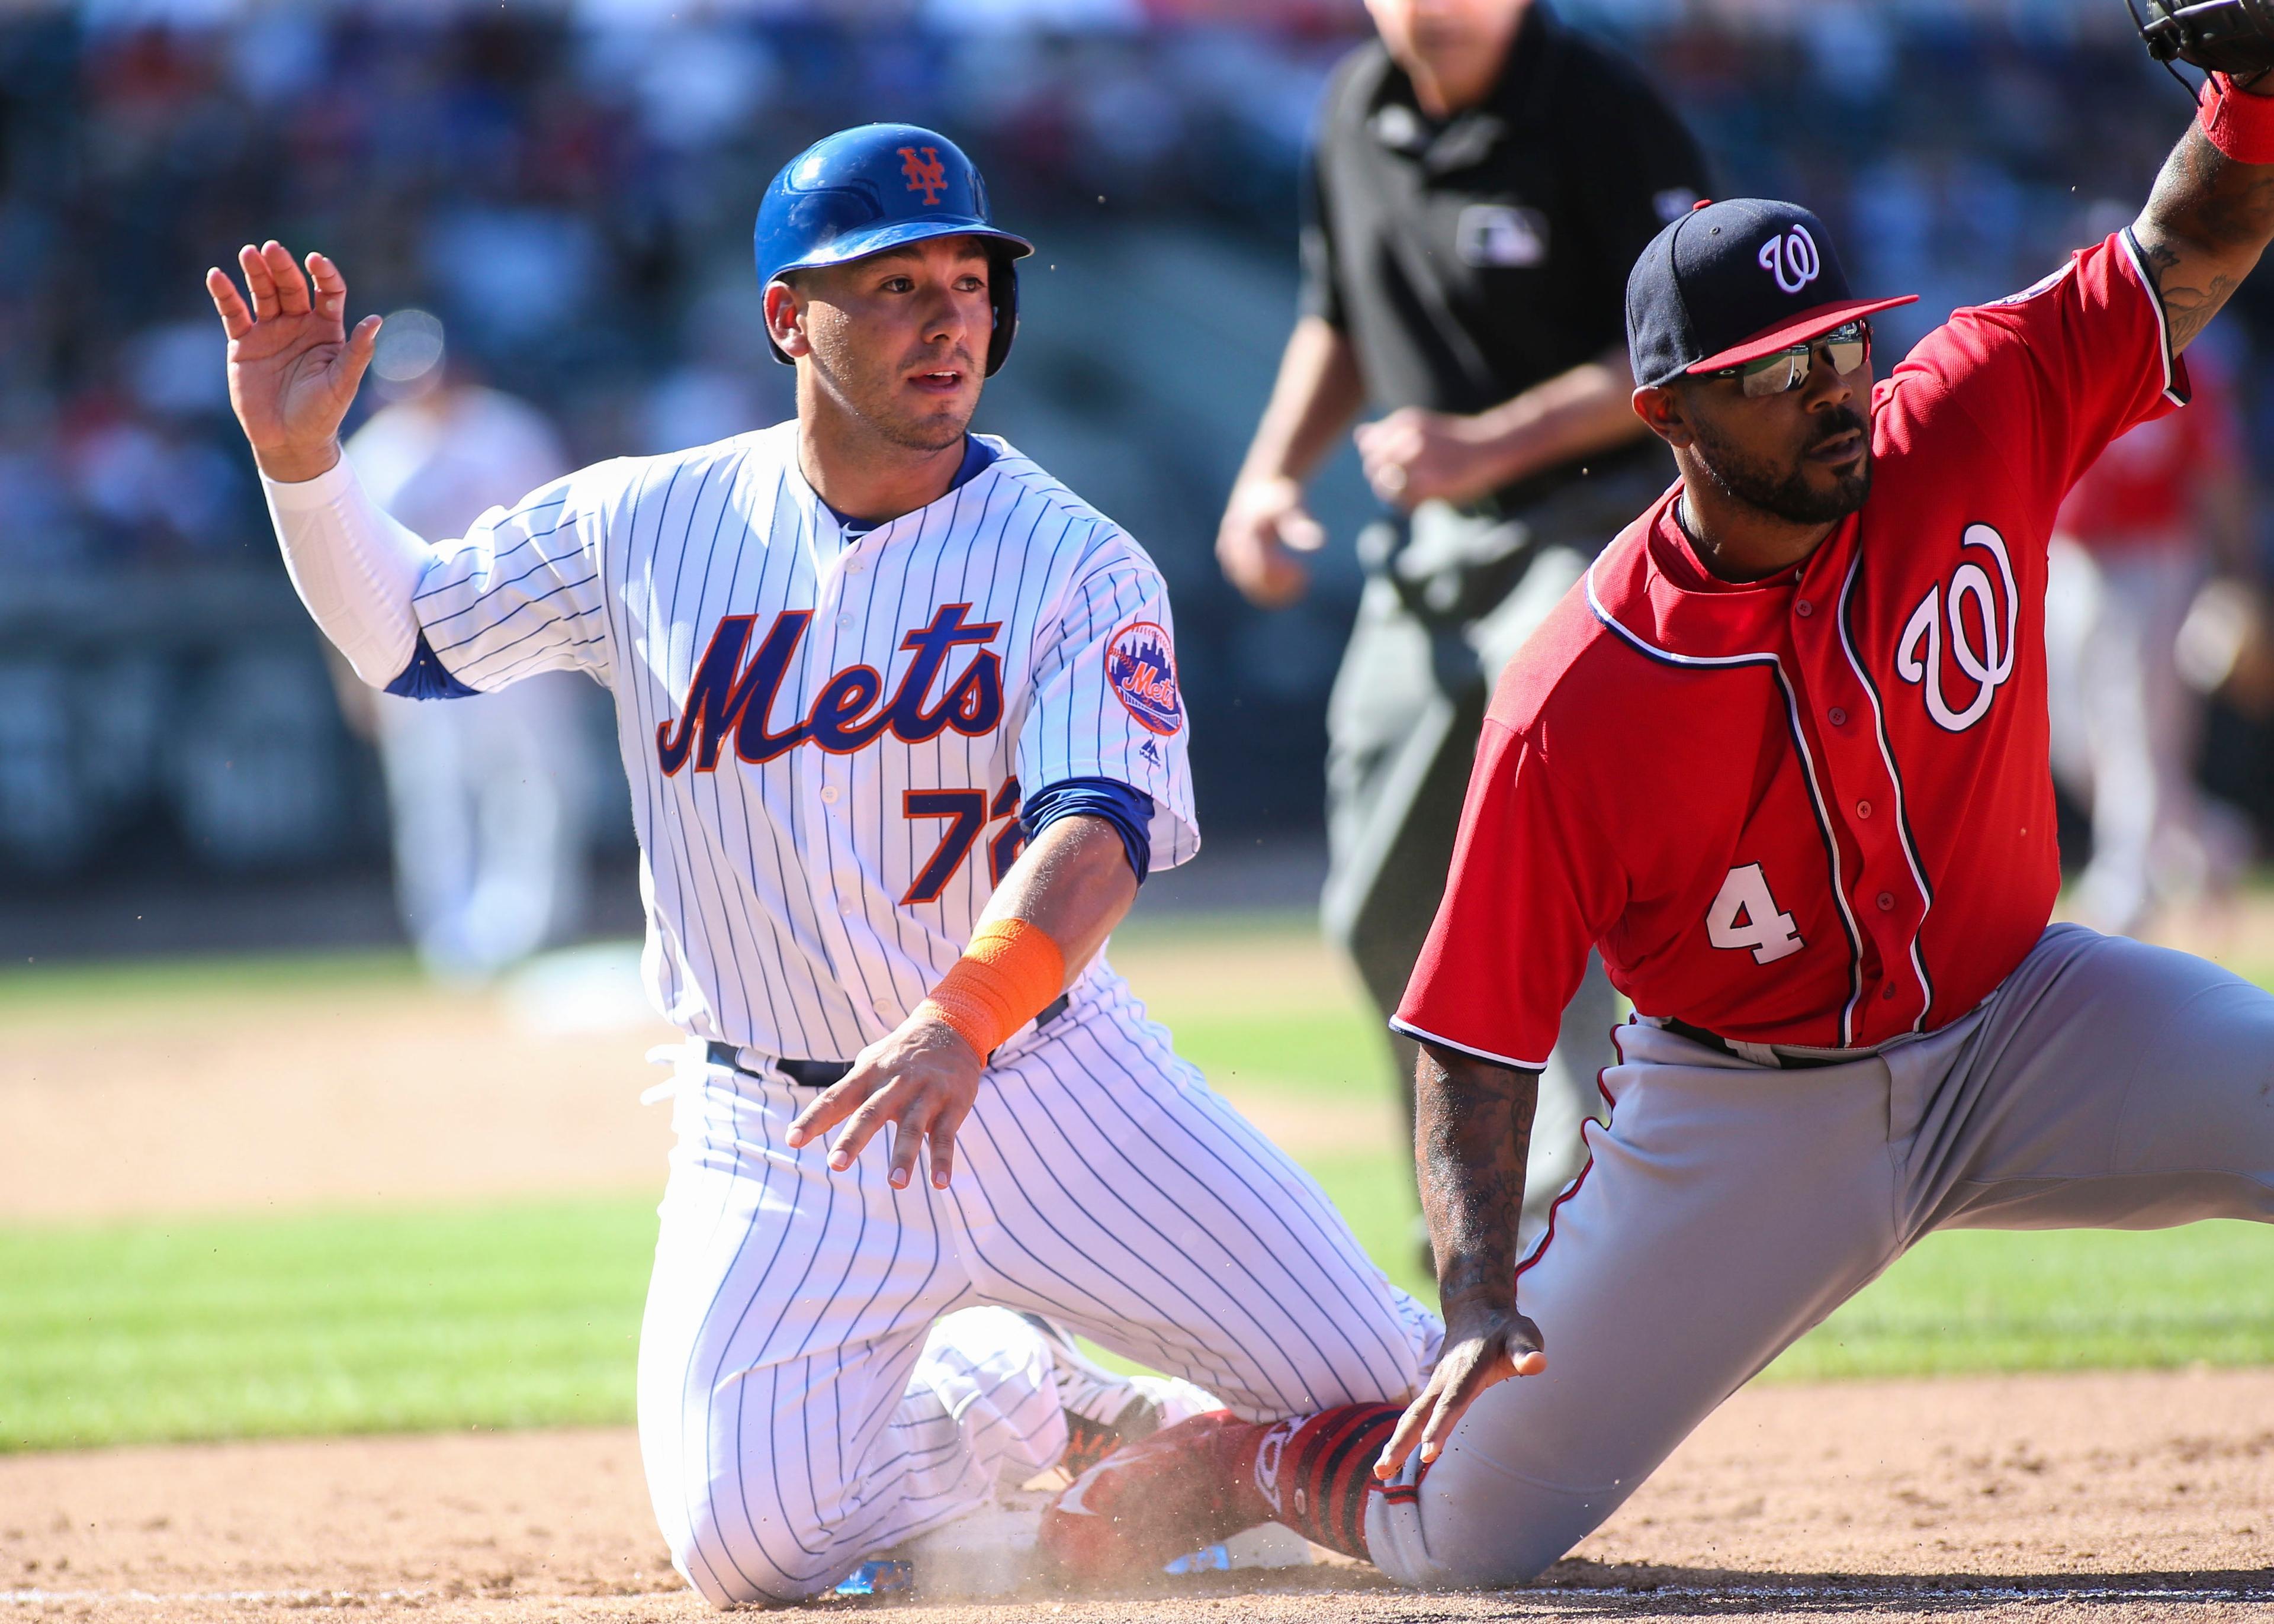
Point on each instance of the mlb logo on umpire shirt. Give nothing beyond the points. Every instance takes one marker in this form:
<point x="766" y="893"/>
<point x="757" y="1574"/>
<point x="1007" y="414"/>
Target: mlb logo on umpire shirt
<point x="1504" y="235"/>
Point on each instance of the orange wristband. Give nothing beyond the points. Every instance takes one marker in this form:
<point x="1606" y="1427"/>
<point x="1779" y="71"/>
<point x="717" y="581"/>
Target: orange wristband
<point x="1007" y="976"/>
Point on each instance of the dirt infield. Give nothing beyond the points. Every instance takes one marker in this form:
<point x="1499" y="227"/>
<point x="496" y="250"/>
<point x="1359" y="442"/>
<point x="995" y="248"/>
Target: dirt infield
<point x="2139" y="1496"/>
<point x="260" y="1098"/>
<point x="2112" y="1497"/>
<point x="398" y="1091"/>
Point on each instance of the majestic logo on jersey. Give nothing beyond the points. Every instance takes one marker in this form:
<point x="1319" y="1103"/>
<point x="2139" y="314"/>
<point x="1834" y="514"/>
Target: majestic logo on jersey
<point x="1143" y="674"/>
<point x="2050" y="280"/>
<point x="728" y="697"/>
<point x="925" y="172"/>
<point x="1982" y="651"/>
<point x="1792" y="258"/>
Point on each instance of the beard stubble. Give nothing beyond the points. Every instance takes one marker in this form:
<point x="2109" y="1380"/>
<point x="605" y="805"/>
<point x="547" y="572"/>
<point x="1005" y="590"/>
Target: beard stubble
<point x="871" y="393"/>
<point x="1788" y="495"/>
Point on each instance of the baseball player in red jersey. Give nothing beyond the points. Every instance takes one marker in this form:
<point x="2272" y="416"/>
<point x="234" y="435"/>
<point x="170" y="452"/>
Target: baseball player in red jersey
<point x="1781" y="757"/>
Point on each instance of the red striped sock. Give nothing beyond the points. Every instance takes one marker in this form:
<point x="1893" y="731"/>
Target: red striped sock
<point x="1317" y="1471"/>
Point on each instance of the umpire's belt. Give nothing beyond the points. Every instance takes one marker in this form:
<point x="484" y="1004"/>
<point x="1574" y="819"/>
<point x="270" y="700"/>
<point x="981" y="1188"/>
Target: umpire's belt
<point x="822" y="1073"/>
<point x="1761" y="1054"/>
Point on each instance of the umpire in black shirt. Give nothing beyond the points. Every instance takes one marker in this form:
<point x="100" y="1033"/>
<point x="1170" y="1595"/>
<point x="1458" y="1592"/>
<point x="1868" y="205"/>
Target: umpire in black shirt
<point x="1483" y="179"/>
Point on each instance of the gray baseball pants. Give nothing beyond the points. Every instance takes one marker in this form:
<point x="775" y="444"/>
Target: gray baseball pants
<point x="1730" y="1206"/>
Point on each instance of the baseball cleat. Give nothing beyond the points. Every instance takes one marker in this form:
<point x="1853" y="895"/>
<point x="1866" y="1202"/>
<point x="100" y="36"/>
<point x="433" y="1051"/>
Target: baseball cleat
<point x="1104" y="1410"/>
<point x="1185" y="1487"/>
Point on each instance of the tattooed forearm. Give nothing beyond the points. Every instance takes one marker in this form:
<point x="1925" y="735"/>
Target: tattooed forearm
<point x="2189" y="310"/>
<point x="2204" y="227"/>
<point x="1472" y="1134"/>
<point x="2186" y="309"/>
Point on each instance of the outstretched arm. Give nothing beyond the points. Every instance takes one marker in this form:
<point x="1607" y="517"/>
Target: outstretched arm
<point x="293" y="366"/>
<point x="2209" y="217"/>
<point x="1071" y="885"/>
<point x="293" y="369"/>
<point x="1472" y="1134"/>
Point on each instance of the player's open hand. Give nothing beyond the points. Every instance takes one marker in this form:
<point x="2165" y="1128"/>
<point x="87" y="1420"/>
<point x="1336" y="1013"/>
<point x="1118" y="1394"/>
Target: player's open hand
<point x="1265" y="526"/>
<point x="924" y="1078"/>
<point x="293" y="366"/>
<point x="1481" y="1350"/>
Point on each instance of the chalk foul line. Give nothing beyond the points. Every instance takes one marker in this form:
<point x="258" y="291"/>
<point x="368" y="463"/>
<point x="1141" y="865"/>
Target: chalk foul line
<point x="1835" y="1591"/>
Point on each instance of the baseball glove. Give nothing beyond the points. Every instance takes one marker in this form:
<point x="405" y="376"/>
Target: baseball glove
<point x="2233" y="37"/>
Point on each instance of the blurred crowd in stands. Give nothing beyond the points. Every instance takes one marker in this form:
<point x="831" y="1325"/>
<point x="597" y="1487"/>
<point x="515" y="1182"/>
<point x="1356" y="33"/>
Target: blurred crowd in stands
<point x="571" y="191"/>
<point x="572" y="195"/>
<point x="570" y="188"/>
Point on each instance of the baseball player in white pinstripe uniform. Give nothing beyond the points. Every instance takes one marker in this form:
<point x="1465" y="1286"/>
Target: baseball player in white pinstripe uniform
<point x="900" y="718"/>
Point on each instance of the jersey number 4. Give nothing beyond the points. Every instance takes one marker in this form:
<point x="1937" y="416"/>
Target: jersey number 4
<point x="967" y="812"/>
<point x="1745" y="914"/>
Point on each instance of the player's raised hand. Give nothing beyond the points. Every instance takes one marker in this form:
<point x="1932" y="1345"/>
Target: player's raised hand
<point x="1265" y="528"/>
<point x="1482" y="1349"/>
<point x="293" y="366"/>
<point x="923" y="1077"/>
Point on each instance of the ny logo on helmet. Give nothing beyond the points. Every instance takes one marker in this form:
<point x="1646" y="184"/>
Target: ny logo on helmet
<point x="1792" y="258"/>
<point x="925" y="172"/>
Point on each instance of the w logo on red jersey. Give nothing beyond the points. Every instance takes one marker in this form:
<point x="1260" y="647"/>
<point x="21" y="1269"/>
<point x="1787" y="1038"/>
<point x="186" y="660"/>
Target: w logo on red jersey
<point x="925" y="172"/>
<point x="1981" y="644"/>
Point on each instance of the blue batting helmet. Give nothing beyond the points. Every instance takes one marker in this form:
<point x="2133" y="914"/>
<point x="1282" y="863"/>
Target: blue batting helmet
<point x="864" y="190"/>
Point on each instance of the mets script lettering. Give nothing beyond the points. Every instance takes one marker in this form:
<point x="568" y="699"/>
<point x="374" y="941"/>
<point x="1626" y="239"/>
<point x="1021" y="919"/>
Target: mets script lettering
<point x="1988" y="664"/>
<point x="728" y="697"/>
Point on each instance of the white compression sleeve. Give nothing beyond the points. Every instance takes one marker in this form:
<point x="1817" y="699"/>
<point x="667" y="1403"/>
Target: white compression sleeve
<point x="354" y="565"/>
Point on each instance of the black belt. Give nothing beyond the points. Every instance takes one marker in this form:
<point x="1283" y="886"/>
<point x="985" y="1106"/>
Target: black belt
<point x="822" y="1073"/>
<point x="1785" y="1061"/>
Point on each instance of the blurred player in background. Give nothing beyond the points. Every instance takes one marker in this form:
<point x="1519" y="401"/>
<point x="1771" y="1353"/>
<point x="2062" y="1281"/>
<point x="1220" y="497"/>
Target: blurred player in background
<point x="491" y="798"/>
<point x="1482" y="180"/>
<point x="2165" y="509"/>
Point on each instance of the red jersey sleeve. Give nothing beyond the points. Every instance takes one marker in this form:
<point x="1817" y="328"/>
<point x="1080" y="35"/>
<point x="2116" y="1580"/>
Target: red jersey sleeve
<point x="2054" y="373"/>
<point x="1526" y="897"/>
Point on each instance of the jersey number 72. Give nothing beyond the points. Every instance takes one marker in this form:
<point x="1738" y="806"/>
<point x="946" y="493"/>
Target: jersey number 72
<point x="967" y="812"/>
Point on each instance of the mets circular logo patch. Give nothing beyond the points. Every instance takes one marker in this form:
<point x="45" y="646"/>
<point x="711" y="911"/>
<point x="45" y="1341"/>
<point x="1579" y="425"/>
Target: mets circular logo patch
<point x="1143" y="674"/>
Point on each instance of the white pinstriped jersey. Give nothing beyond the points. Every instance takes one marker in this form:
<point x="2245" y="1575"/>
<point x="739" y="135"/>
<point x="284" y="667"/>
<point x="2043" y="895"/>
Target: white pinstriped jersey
<point x="828" y="736"/>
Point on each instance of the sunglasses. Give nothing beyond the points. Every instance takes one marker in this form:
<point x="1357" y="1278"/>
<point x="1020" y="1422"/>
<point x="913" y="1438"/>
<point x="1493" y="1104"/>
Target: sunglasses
<point x="1849" y="345"/>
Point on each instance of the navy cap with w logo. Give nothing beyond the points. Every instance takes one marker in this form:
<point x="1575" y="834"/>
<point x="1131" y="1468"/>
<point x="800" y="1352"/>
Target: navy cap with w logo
<point x="1730" y="282"/>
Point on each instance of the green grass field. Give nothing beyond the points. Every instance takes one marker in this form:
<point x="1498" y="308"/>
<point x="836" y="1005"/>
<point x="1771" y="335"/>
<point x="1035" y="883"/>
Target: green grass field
<point x="527" y="1314"/>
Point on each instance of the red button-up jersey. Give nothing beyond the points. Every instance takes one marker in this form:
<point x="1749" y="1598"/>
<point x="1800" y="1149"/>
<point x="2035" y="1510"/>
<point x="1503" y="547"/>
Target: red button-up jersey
<point x="1814" y="810"/>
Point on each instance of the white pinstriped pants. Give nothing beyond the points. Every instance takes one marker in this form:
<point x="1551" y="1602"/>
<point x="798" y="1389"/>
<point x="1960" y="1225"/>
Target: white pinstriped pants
<point x="797" y="1410"/>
